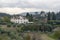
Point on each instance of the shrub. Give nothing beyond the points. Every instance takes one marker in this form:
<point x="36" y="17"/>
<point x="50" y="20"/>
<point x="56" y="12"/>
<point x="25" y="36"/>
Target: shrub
<point x="56" y="35"/>
<point x="0" y="26"/>
<point x="8" y="25"/>
<point x="14" y="25"/>
<point x="18" y="25"/>
<point x="27" y="37"/>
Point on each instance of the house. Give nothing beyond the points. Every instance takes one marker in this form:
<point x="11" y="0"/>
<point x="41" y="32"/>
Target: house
<point x="42" y="17"/>
<point x="19" y="19"/>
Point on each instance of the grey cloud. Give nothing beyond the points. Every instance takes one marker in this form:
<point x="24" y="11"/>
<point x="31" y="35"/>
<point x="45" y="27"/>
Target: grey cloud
<point x="42" y="4"/>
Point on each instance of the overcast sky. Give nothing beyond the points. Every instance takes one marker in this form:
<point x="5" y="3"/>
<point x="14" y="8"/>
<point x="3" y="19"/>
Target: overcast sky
<point x="18" y="6"/>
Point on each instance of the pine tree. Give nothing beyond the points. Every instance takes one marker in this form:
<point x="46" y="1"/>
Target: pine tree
<point x="29" y="16"/>
<point x="49" y="16"/>
<point x="53" y="16"/>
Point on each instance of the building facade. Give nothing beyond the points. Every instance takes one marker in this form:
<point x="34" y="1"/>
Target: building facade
<point x="19" y="19"/>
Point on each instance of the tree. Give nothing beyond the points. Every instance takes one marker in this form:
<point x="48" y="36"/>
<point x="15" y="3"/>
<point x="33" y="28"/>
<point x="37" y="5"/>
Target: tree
<point x="49" y="16"/>
<point x="42" y="12"/>
<point x="53" y="16"/>
<point x="9" y="25"/>
<point x="29" y="16"/>
<point x="6" y="19"/>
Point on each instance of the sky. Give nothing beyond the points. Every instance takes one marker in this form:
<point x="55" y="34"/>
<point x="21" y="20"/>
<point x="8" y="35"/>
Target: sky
<point x="19" y="6"/>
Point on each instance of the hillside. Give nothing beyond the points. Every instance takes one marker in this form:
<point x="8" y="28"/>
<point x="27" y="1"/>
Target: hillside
<point x="4" y="14"/>
<point x="33" y="13"/>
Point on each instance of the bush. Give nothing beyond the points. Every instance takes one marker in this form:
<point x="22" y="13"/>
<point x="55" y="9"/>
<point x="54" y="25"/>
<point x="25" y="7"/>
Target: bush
<point x="56" y="35"/>
<point x="27" y="37"/>
<point x="14" y="25"/>
<point x="0" y="26"/>
<point x="8" y="25"/>
<point x="18" y="25"/>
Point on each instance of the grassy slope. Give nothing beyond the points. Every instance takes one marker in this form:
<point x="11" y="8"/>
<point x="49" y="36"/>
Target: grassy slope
<point x="45" y="37"/>
<point x="37" y="35"/>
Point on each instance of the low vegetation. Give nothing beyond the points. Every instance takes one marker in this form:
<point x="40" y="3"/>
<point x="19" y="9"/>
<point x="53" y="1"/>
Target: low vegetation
<point x="39" y="30"/>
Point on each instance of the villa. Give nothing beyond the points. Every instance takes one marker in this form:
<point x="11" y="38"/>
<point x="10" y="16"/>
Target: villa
<point x="19" y="19"/>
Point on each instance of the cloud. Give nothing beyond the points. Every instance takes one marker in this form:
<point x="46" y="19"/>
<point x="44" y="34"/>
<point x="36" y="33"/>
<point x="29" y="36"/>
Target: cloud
<point x="18" y="10"/>
<point x="43" y="4"/>
<point x="28" y="5"/>
<point x="21" y="10"/>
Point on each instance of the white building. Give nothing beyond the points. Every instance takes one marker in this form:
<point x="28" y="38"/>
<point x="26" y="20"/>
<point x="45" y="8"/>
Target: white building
<point x="19" y="19"/>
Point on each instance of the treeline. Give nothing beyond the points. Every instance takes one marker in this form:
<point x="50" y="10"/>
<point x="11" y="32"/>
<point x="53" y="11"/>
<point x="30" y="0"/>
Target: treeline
<point x="36" y="28"/>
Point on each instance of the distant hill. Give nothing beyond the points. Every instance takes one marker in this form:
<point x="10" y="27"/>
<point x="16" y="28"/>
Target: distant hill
<point x="4" y="14"/>
<point x="33" y="13"/>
